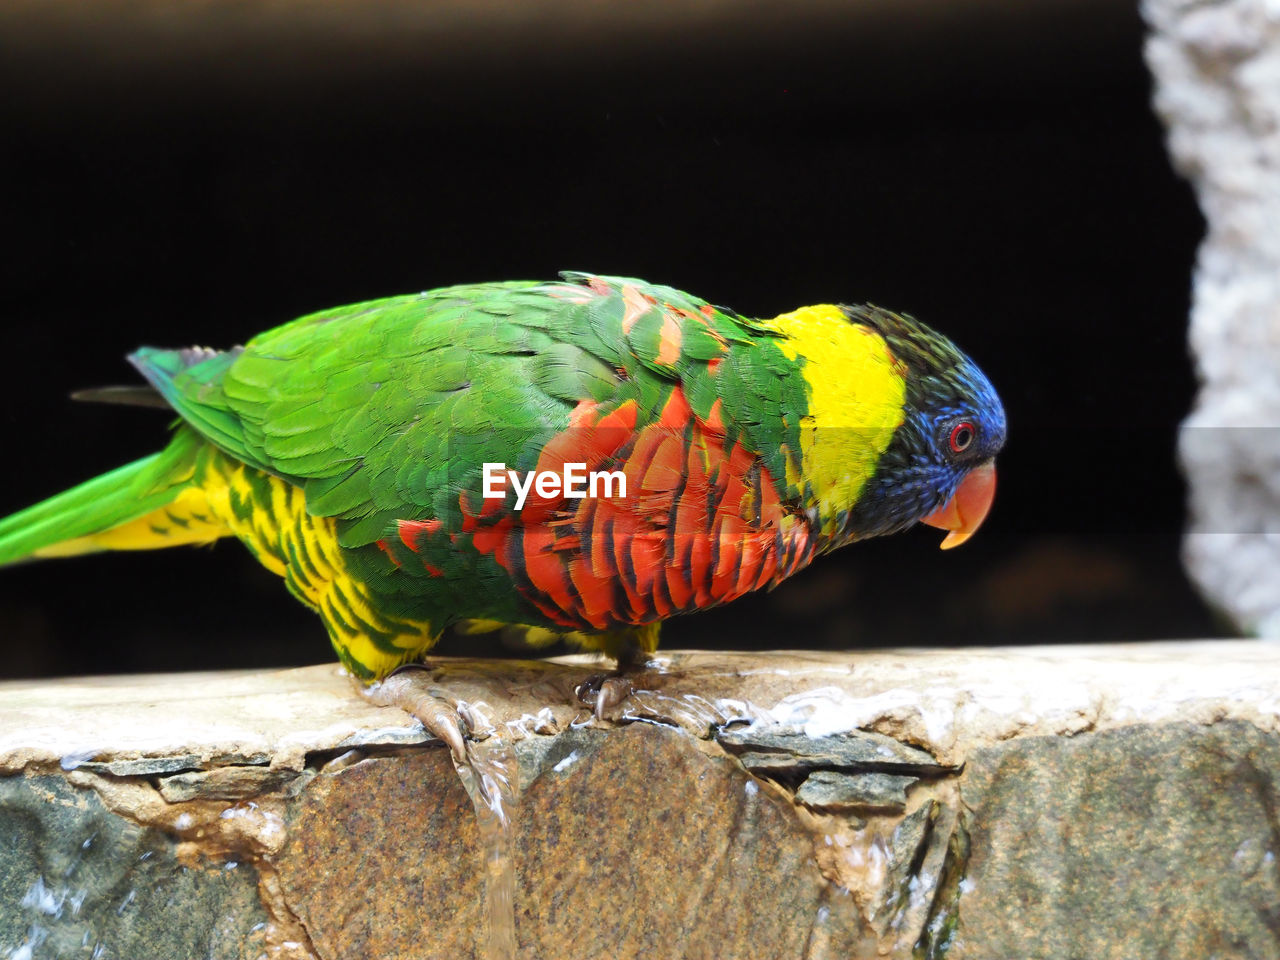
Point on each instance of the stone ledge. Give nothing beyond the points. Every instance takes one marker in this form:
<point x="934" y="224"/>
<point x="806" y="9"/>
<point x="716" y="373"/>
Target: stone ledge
<point x="970" y="804"/>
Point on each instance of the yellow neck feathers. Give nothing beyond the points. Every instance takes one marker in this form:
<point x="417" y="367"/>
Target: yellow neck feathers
<point x="856" y="395"/>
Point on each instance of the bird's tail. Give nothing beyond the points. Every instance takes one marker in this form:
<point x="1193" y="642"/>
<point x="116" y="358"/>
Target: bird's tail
<point x="152" y="502"/>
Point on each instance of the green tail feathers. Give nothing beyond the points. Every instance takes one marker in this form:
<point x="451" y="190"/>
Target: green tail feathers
<point x="70" y="522"/>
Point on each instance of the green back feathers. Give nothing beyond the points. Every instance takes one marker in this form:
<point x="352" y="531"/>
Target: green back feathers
<point x="386" y="410"/>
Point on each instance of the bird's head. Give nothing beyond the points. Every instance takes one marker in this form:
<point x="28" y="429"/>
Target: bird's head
<point x="903" y="428"/>
<point x="939" y="466"/>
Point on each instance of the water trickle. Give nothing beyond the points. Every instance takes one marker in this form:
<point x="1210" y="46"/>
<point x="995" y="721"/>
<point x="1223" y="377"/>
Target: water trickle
<point x="695" y="714"/>
<point x="452" y="697"/>
<point x="77" y="758"/>
<point x="485" y="760"/>
<point x="490" y="774"/>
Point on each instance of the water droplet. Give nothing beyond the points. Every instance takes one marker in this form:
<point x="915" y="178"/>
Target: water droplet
<point x="42" y="898"/>
<point x="566" y="763"/>
<point x="124" y="904"/>
<point x="73" y="760"/>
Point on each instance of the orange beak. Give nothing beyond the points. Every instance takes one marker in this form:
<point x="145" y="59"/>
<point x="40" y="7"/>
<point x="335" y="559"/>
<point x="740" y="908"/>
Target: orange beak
<point x="963" y="513"/>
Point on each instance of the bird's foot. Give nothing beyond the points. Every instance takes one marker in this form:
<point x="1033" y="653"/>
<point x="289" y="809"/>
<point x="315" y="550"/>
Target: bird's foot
<point x="408" y="688"/>
<point x="603" y="692"/>
<point x="630" y="648"/>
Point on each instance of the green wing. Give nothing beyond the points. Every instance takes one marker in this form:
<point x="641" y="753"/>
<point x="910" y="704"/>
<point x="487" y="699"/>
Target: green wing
<point x="386" y="410"/>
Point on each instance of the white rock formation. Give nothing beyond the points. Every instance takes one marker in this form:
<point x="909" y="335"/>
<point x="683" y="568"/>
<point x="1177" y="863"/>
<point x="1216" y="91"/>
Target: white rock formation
<point x="1217" y="71"/>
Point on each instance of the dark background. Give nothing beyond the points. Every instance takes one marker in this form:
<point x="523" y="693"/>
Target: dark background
<point x="194" y="174"/>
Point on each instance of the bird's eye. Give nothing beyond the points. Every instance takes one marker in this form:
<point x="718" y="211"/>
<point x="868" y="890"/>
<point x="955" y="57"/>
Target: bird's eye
<point x="962" y="435"/>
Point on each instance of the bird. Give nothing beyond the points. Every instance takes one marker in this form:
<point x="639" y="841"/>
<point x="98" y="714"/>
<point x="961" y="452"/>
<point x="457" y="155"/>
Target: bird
<point x="575" y="459"/>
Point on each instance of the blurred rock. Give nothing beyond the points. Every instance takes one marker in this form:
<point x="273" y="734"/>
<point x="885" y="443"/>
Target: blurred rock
<point x="897" y="803"/>
<point x="1151" y="841"/>
<point x="1217" y="70"/>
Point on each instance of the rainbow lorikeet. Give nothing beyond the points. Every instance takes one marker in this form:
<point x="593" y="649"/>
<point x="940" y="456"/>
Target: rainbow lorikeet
<point x="582" y="458"/>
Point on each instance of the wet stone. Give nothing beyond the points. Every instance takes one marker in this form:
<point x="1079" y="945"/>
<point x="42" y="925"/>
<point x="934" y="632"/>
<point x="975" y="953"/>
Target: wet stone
<point x="911" y="833"/>
<point x="1071" y="829"/>
<point x="765" y="749"/>
<point x="141" y="766"/>
<point x="833" y="790"/>
<point x="921" y="872"/>
<point x="78" y="881"/>
<point x="162" y="765"/>
<point x="629" y="843"/>
<point x="224" y="783"/>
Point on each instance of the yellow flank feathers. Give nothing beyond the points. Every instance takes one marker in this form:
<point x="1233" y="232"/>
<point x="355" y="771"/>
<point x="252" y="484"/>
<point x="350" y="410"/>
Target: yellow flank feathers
<point x="269" y="516"/>
<point x="186" y="520"/>
<point x="855" y="404"/>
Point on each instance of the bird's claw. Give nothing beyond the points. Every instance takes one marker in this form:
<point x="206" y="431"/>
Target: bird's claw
<point x="439" y="716"/>
<point x="603" y="692"/>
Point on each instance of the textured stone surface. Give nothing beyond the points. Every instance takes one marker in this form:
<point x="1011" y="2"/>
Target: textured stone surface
<point x="168" y="723"/>
<point x="836" y="790"/>
<point x="942" y="702"/>
<point x="629" y="843"/>
<point x="223" y="783"/>
<point x="1056" y="803"/>
<point x="768" y="748"/>
<point x="1217" y="70"/>
<point x="1145" y="842"/>
<point x="78" y="881"/>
